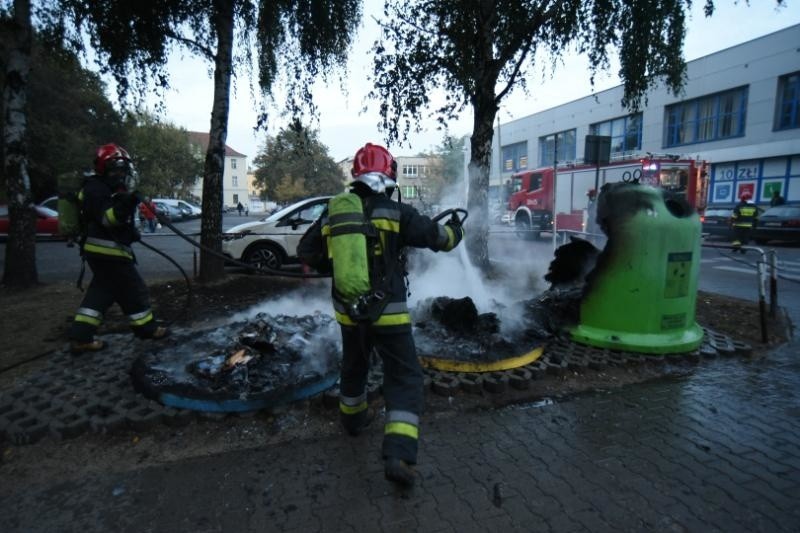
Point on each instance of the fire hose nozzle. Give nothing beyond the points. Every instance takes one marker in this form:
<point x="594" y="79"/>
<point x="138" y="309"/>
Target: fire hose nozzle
<point x="454" y="215"/>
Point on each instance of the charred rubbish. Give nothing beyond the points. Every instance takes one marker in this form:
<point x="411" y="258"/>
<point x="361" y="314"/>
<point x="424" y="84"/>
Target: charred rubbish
<point x="243" y="366"/>
<point x="453" y="329"/>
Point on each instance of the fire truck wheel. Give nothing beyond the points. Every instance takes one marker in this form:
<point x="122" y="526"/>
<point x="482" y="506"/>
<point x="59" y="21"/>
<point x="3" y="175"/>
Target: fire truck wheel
<point x="522" y="225"/>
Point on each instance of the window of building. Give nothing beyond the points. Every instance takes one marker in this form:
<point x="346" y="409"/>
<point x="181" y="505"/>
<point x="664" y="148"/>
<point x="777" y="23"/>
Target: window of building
<point x="565" y="143"/>
<point x="235" y="181"/>
<point x="515" y="157"/>
<point x="788" y="102"/>
<point x="236" y="198"/>
<point x="410" y="171"/>
<point x="409" y="191"/>
<point x="625" y="133"/>
<point x="233" y="163"/>
<point x="718" y="116"/>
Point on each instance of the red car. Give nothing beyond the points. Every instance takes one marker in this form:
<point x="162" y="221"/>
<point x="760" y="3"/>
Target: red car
<point x="46" y="223"/>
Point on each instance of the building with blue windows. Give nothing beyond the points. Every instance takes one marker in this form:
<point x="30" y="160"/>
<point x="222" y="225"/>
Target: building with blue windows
<point x="739" y="112"/>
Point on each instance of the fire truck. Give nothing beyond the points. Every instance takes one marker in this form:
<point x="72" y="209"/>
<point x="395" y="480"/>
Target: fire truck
<point x="532" y="194"/>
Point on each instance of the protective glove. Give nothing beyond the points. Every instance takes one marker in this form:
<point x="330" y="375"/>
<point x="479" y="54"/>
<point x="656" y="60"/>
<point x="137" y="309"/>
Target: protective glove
<point x="458" y="231"/>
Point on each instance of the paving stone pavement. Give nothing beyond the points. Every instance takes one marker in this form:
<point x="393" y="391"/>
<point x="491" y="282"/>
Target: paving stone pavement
<point x="718" y="450"/>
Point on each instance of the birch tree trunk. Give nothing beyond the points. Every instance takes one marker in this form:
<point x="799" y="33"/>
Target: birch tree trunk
<point x="20" y="259"/>
<point x="213" y="267"/>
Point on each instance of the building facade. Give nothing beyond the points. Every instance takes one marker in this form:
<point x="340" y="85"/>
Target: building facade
<point x="414" y="178"/>
<point x="739" y="112"/>
<point x="234" y="176"/>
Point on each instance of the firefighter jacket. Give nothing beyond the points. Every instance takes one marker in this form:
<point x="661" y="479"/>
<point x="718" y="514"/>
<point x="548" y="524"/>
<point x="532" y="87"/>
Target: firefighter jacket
<point x="108" y="219"/>
<point x="398" y="226"/>
<point x="744" y="215"/>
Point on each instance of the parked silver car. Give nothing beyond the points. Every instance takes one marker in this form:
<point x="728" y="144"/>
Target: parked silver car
<point x="272" y="241"/>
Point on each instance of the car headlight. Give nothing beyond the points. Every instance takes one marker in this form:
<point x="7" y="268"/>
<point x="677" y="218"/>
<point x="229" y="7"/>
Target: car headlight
<point x="234" y="236"/>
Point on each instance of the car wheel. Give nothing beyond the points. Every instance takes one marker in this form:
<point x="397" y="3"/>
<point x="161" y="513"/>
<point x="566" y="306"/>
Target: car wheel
<point x="264" y="256"/>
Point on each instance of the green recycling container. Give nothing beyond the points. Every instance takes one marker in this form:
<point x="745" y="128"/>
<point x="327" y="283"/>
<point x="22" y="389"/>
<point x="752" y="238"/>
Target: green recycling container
<point x="641" y="296"/>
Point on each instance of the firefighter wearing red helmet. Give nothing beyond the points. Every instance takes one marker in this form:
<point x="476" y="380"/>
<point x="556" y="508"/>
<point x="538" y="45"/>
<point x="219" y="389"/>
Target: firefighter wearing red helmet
<point x="107" y="213"/>
<point x="367" y="223"/>
<point x="743" y="220"/>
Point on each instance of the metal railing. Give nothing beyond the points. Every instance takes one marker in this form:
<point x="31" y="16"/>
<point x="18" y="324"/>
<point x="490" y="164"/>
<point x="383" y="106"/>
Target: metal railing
<point x="768" y="258"/>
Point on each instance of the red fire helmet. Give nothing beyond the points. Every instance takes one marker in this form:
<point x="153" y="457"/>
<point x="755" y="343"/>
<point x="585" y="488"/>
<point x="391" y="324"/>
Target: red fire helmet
<point x="372" y="158"/>
<point x="106" y="153"/>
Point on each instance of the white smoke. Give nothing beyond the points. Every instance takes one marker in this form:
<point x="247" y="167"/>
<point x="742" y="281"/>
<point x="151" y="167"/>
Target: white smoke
<point x="518" y="275"/>
<point x="307" y="301"/>
<point x="518" y="271"/>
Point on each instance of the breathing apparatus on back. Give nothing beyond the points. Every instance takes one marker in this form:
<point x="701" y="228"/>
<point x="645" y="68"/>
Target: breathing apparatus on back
<point x="353" y="242"/>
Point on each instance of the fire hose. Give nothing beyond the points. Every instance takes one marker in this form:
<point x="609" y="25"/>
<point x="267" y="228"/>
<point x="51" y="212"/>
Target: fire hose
<point x="456" y="214"/>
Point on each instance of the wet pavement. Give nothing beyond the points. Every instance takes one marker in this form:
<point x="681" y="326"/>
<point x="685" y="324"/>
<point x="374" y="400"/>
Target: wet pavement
<point x="717" y="450"/>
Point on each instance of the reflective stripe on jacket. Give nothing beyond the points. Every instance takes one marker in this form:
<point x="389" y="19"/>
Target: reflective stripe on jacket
<point x="109" y="224"/>
<point x="744" y="215"/>
<point x="399" y="225"/>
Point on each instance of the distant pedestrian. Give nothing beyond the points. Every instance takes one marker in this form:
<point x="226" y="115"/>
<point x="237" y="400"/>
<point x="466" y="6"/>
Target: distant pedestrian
<point x="240" y="208"/>
<point x="147" y="212"/>
<point x="777" y="199"/>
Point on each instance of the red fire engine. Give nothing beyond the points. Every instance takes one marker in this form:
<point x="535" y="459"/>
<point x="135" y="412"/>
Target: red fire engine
<point x="531" y="194"/>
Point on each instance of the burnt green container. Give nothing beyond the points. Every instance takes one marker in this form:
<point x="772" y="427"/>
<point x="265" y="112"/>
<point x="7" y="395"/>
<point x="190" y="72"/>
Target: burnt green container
<point x="642" y="295"/>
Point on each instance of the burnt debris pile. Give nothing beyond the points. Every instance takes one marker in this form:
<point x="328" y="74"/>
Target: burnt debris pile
<point x="453" y="329"/>
<point x="253" y="363"/>
<point x="559" y="306"/>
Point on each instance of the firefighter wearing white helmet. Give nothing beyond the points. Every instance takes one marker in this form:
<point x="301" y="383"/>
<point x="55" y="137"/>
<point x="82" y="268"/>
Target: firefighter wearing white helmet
<point x="361" y="238"/>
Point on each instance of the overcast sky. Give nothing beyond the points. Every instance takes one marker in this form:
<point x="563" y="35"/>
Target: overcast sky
<point x="347" y="120"/>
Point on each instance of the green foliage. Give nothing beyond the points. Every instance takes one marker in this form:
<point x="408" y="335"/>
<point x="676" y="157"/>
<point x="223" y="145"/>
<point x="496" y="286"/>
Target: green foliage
<point x="133" y="40"/>
<point x="69" y="116"/>
<point x="445" y="169"/>
<point x="165" y="162"/>
<point x="295" y="164"/>
<point x="478" y="51"/>
<point x="451" y="156"/>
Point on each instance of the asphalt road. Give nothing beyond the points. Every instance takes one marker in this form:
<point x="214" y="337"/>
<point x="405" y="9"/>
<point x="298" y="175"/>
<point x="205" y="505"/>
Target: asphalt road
<point x="722" y="271"/>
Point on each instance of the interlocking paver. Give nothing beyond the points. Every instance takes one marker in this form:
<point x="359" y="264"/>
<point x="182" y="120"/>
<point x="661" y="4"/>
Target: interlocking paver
<point x="715" y="450"/>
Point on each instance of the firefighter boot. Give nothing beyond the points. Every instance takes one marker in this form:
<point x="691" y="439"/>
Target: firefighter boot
<point x="79" y="348"/>
<point x="354" y="429"/>
<point x="160" y="333"/>
<point x="399" y="471"/>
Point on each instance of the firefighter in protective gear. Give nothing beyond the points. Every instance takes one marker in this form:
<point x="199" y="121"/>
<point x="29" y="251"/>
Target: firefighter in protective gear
<point x="108" y="212"/>
<point x="378" y="320"/>
<point x="743" y="220"/>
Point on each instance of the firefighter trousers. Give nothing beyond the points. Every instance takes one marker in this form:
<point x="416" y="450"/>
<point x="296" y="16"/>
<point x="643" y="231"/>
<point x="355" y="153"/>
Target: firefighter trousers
<point x="113" y="281"/>
<point x="402" y="387"/>
<point x="741" y="234"/>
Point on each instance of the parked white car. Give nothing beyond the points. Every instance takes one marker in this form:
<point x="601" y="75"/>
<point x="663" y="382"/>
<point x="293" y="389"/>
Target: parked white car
<point x="183" y="205"/>
<point x="272" y="241"/>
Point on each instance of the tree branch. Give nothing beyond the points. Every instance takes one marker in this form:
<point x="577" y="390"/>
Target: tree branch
<point x="192" y="45"/>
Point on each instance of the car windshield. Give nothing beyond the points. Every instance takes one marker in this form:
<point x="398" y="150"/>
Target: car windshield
<point x="277" y="215"/>
<point x="718" y="212"/>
